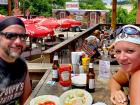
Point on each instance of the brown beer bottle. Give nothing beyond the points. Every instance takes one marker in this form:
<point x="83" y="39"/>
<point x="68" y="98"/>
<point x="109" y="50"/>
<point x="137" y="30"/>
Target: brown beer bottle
<point x="90" y="82"/>
<point x="55" y="67"/>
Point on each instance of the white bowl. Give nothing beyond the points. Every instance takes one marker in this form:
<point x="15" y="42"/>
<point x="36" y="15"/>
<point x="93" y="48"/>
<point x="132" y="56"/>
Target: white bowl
<point x="43" y="98"/>
<point x="77" y="96"/>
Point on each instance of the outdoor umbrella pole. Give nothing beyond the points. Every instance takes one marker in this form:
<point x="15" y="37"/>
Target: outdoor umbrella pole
<point x="30" y="45"/>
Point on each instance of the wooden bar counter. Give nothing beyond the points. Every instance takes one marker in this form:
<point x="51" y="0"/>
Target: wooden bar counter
<point x="101" y="93"/>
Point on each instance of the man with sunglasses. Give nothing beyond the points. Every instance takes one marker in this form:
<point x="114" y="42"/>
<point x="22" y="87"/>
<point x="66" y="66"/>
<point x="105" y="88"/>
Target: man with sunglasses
<point x="15" y="83"/>
<point x="127" y="51"/>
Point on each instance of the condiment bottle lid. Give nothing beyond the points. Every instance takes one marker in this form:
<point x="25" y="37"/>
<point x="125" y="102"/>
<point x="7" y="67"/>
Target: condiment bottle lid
<point x="65" y="88"/>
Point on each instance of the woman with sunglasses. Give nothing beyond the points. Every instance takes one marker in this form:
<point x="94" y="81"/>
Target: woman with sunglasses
<point x="127" y="51"/>
<point x="15" y="83"/>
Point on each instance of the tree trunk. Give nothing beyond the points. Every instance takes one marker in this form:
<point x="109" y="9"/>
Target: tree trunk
<point x="138" y="13"/>
<point x="113" y="20"/>
<point x="9" y="7"/>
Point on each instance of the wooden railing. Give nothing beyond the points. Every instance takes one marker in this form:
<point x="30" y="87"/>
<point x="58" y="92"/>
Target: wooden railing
<point x="65" y="48"/>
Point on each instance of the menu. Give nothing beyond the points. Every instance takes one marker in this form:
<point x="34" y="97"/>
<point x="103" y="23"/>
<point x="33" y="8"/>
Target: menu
<point x="104" y="69"/>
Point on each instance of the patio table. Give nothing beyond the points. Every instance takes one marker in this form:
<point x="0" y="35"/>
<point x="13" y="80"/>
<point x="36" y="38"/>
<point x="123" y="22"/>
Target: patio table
<point x="101" y="94"/>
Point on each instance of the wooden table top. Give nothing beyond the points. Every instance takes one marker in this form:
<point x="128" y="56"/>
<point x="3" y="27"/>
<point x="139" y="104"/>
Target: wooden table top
<point x="101" y="93"/>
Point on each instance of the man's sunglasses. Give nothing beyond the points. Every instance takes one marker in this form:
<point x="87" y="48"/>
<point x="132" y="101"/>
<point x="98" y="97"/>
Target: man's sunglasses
<point x="13" y="36"/>
<point x="129" y="30"/>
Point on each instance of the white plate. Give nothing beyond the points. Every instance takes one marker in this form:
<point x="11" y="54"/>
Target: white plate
<point x="77" y="95"/>
<point x="99" y="103"/>
<point x="79" y="80"/>
<point x="43" y="98"/>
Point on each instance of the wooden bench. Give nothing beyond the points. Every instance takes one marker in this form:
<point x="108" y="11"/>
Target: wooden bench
<point x="37" y="70"/>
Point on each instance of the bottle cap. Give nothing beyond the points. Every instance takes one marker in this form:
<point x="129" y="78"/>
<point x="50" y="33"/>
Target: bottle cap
<point x="65" y="88"/>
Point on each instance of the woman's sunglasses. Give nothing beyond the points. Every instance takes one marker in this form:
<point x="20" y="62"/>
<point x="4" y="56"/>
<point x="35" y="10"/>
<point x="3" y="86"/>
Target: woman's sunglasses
<point x="129" y="31"/>
<point x="13" y="36"/>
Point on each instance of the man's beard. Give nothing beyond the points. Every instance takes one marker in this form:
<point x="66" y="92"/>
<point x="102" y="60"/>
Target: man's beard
<point x="13" y="54"/>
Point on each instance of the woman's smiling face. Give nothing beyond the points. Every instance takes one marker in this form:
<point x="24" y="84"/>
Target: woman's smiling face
<point x="128" y="56"/>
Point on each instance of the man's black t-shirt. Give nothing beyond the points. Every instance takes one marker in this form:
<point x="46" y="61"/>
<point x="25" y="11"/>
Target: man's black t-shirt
<point x="12" y="77"/>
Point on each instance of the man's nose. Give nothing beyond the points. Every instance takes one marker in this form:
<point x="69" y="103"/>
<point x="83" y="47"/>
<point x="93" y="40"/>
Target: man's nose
<point x="18" y="41"/>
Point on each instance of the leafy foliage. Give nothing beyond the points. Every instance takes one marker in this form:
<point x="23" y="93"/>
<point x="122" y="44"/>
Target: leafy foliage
<point x="122" y="15"/>
<point x="3" y="10"/>
<point x="92" y="4"/>
<point x="132" y="16"/>
<point x="44" y="8"/>
<point x="37" y="7"/>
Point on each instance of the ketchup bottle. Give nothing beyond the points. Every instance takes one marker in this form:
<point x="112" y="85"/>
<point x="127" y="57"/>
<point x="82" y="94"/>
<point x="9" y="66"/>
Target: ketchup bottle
<point x="65" y="75"/>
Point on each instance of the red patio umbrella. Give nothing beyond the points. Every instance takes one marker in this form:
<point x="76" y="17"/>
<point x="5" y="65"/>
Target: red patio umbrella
<point x="2" y="16"/>
<point x="34" y="30"/>
<point x="71" y="21"/>
<point x="27" y="21"/>
<point x="64" y="24"/>
<point x="49" y="23"/>
<point x="37" y="19"/>
<point x="37" y="32"/>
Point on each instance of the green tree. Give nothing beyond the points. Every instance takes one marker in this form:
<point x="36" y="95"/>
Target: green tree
<point x="3" y="10"/>
<point x="57" y="4"/>
<point x="92" y="4"/>
<point x="122" y="15"/>
<point x="37" y="7"/>
<point x="132" y="15"/>
<point x="44" y="7"/>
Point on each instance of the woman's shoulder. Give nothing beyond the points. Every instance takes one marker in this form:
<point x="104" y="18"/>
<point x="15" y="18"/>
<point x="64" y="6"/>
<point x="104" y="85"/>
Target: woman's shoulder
<point x="136" y="75"/>
<point x="121" y="76"/>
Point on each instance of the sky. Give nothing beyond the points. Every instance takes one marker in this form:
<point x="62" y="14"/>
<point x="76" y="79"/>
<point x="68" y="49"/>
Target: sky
<point x="109" y="1"/>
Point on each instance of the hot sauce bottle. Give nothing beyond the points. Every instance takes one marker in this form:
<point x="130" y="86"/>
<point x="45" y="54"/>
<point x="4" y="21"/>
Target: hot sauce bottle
<point x="90" y="82"/>
<point x="55" y="67"/>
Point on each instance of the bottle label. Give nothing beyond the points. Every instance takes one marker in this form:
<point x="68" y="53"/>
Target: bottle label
<point x="65" y="75"/>
<point x="90" y="65"/>
<point x="54" y="73"/>
<point x="91" y="83"/>
<point x="55" y="58"/>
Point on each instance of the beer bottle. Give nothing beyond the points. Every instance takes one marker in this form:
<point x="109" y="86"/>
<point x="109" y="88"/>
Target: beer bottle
<point x="90" y="82"/>
<point x="55" y="67"/>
